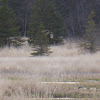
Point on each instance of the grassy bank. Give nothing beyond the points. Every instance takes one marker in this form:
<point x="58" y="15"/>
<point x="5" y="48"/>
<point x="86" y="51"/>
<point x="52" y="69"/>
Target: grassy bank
<point x="21" y="75"/>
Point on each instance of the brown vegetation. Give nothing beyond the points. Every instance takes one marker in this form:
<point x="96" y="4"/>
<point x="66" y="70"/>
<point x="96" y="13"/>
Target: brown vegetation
<point x="21" y="76"/>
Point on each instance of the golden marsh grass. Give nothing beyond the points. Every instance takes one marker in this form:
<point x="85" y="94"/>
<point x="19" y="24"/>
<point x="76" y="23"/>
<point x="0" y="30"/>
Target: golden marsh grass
<point x="21" y="75"/>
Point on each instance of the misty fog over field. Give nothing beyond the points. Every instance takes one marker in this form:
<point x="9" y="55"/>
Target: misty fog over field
<point x="49" y="49"/>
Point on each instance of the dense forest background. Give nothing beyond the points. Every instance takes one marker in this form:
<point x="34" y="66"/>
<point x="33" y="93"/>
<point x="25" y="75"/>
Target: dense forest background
<point x="63" y="18"/>
<point x="74" y="13"/>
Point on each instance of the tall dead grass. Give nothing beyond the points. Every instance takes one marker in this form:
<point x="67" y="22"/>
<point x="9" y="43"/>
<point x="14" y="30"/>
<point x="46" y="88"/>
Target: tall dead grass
<point x="20" y="74"/>
<point x="68" y="49"/>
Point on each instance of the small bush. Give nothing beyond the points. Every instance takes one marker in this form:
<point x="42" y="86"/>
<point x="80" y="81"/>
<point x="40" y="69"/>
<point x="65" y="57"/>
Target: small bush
<point x="90" y="36"/>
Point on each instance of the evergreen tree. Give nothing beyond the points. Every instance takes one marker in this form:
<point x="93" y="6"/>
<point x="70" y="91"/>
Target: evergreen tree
<point x="40" y="42"/>
<point x="8" y="26"/>
<point x="44" y="11"/>
<point x="22" y="8"/>
<point x="91" y="32"/>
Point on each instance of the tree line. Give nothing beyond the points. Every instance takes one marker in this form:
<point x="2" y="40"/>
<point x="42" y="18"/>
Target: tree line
<point x="18" y="19"/>
<point x="75" y="13"/>
<point x="32" y="19"/>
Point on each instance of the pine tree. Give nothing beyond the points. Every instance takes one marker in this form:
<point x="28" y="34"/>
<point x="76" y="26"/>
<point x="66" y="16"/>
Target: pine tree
<point x="40" y="42"/>
<point x="44" y="11"/>
<point x="22" y="8"/>
<point x="8" y="24"/>
<point x="91" y="32"/>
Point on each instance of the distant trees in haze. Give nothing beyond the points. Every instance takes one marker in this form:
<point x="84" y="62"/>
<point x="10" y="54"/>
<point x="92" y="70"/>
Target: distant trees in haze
<point x="91" y="33"/>
<point x="8" y="24"/>
<point x="40" y="42"/>
<point x="44" y="11"/>
<point x="22" y="9"/>
<point x="64" y="18"/>
<point x="75" y="13"/>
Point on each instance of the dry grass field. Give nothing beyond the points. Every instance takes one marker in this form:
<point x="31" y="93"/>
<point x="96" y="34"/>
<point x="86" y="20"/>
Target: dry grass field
<point x="23" y="77"/>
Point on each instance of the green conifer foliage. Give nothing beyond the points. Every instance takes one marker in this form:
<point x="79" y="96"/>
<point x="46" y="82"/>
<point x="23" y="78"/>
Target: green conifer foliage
<point x="8" y="26"/>
<point x="40" y="42"/>
<point x="90" y="35"/>
<point x="44" y="11"/>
